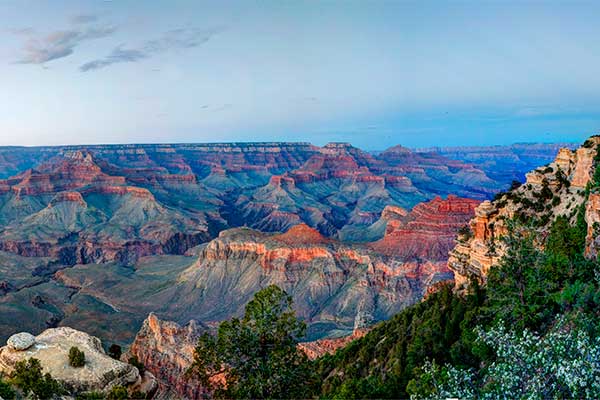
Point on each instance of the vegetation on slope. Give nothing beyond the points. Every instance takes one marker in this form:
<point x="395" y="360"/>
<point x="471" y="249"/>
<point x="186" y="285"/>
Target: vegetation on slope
<point x="257" y="354"/>
<point x="541" y="296"/>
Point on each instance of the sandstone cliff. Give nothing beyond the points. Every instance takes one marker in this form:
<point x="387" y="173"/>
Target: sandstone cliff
<point x="427" y="231"/>
<point x="167" y="350"/>
<point x="559" y="188"/>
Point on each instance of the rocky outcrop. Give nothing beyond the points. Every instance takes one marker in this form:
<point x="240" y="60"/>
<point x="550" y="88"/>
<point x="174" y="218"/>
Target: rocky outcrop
<point x="318" y="348"/>
<point x="428" y="231"/>
<point x="51" y="347"/>
<point x="167" y="350"/>
<point x="592" y="218"/>
<point x="550" y="191"/>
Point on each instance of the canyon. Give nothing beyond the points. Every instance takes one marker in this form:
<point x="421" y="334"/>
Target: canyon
<point x="130" y="243"/>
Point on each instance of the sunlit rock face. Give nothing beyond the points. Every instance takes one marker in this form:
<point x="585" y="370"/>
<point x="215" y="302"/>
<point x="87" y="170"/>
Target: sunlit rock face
<point x="428" y="231"/>
<point x="556" y="189"/>
<point x="330" y="282"/>
<point x="167" y="350"/>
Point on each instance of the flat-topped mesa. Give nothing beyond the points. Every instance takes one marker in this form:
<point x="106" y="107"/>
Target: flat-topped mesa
<point x="336" y="147"/>
<point x="557" y="189"/>
<point x="134" y="191"/>
<point x="327" y="279"/>
<point x="70" y="171"/>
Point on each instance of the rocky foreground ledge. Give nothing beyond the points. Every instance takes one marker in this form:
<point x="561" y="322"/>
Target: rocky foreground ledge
<point x="51" y="347"/>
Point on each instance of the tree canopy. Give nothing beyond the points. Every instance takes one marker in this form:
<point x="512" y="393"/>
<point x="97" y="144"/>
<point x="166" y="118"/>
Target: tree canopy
<point x="256" y="356"/>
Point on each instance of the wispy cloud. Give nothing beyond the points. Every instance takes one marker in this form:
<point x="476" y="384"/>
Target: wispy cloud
<point x="176" y="39"/>
<point x="84" y="19"/>
<point x="118" y="55"/>
<point x="40" y="49"/>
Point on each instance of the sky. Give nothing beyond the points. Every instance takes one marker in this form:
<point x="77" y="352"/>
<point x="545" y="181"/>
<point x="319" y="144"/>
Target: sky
<point x="372" y="73"/>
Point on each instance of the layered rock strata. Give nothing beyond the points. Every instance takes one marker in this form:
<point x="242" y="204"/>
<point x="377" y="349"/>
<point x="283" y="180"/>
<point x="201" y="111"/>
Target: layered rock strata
<point x="559" y="188"/>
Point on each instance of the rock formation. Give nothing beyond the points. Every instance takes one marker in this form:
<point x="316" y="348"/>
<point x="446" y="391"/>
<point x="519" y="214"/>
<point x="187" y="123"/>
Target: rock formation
<point x="428" y="231"/>
<point x="51" y="347"/>
<point x="331" y="283"/>
<point x="556" y="189"/>
<point x="167" y="350"/>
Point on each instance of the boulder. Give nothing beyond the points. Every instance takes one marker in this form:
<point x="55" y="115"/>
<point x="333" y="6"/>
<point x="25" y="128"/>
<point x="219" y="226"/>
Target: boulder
<point x="20" y="341"/>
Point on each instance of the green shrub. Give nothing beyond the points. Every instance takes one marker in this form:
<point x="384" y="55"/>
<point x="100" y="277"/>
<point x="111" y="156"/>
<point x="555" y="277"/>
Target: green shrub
<point x="6" y="391"/>
<point x="76" y="357"/>
<point x="465" y="232"/>
<point x="117" y="393"/>
<point x="137" y="395"/>
<point x="28" y="377"/>
<point x="115" y="351"/>
<point x="90" y="396"/>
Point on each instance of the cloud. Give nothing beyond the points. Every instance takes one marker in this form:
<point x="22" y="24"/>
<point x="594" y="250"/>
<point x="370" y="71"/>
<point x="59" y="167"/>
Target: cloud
<point x="176" y="39"/>
<point x="58" y="44"/>
<point x="22" y="31"/>
<point x="118" y="55"/>
<point x="84" y="19"/>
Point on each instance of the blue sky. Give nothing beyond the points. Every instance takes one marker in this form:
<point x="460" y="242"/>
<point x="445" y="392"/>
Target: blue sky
<point x="374" y="73"/>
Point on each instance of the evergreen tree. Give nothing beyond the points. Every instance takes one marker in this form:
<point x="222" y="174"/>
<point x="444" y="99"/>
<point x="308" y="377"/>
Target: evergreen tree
<point x="258" y="354"/>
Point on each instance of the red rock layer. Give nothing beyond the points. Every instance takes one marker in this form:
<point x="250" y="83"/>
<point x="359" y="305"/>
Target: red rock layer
<point x="71" y="197"/>
<point x="72" y="171"/>
<point x="301" y="234"/>
<point x="319" y="348"/>
<point x="428" y="231"/>
<point x="167" y="351"/>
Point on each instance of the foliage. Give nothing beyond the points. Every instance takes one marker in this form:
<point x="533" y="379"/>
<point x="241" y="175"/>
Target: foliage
<point x="90" y="396"/>
<point x="6" y="391"/>
<point x="565" y="363"/>
<point x="28" y="377"/>
<point x="76" y="357"/>
<point x="562" y="179"/>
<point x="475" y="347"/>
<point x="465" y="233"/>
<point x="381" y="364"/>
<point x="117" y="393"/>
<point x="136" y="363"/>
<point x="115" y="351"/>
<point x="258" y="353"/>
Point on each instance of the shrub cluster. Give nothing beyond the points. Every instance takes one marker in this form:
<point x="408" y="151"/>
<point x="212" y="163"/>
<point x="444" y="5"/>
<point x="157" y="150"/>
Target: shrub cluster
<point x="76" y="357"/>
